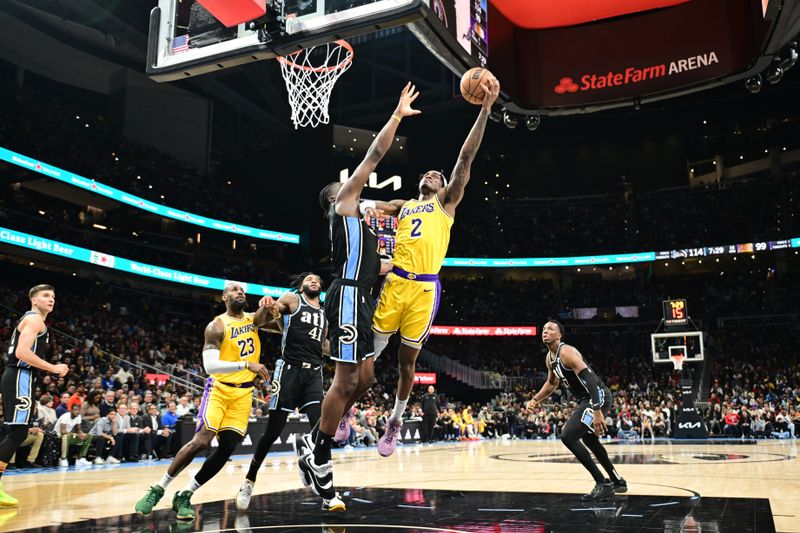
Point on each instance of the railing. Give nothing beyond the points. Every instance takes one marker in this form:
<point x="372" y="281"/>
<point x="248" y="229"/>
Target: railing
<point x="479" y="379"/>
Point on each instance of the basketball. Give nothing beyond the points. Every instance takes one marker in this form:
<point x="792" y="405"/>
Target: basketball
<point x="471" y="82"/>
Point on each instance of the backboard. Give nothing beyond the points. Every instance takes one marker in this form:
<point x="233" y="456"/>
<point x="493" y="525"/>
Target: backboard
<point x="686" y="343"/>
<point x="185" y="40"/>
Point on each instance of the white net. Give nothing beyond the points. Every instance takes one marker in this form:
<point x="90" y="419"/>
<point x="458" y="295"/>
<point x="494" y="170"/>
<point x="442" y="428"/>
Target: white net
<point x="310" y="75"/>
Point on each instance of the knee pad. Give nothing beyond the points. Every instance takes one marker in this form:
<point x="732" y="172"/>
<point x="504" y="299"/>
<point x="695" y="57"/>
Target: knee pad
<point x="380" y="343"/>
<point x="227" y="441"/>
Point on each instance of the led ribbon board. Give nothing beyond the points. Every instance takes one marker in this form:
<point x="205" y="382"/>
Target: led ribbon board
<point x="49" y="246"/>
<point x="96" y="187"/>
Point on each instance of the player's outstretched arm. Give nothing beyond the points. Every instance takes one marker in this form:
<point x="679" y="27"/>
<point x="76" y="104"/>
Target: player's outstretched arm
<point x="347" y="199"/>
<point x="269" y="309"/>
<point x="452" y="194"/>
<point x="32" y="325"/>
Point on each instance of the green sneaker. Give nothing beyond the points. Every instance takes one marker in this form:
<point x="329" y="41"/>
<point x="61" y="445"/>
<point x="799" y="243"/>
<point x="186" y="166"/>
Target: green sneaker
<point x="182" y="505"/>
<point x="7" y="500"/>
<point x="145" y="506"/>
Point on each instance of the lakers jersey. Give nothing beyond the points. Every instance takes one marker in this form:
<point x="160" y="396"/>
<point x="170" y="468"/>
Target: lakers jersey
<point x="240" y="342"/>
<point x="423" y="234"/>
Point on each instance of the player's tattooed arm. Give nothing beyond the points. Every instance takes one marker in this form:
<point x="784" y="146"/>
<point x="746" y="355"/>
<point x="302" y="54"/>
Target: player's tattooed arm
<point x="270" y="309"/>
<point x="213" y="335"/>
<point x="348" y="196"/>
<point x="452" y="195"/>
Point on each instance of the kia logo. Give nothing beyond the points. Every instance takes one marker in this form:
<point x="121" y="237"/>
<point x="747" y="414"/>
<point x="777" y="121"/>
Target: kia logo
<point x="689" y="425"/>
<point x="566" y="85"/>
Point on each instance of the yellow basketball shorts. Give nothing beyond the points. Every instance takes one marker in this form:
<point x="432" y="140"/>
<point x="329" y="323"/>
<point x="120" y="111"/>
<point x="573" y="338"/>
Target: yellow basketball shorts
<point x="408" y="306"/>
<point x="224" y="408"/>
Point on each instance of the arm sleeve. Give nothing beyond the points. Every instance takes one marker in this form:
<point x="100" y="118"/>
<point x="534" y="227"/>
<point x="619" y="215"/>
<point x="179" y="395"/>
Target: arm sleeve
<point x="592" y="384"/>
<point x="213" y="365"/>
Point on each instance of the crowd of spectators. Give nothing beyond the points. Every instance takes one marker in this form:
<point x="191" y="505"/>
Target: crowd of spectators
<point x="760" y="209"/>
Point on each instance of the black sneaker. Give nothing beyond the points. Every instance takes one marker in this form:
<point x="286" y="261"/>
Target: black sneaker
<point x="321" y="476"/>
<point x="303" y="445"/>
<point x="601" y="491"/>
<point x="620" y="486"/>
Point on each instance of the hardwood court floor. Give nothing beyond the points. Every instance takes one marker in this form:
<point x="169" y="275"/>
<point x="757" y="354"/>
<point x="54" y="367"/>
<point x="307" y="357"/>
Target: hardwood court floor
<point x="678" y="471"/>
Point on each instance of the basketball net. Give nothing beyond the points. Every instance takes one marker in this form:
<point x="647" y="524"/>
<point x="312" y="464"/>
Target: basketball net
<point x="677" y="361"/>
<point x="310" y="75"/>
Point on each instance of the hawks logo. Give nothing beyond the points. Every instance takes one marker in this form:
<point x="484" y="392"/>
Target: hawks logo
<point x="350" y="334"/>
<point x="23" y="403"/>
<point x="275" y="388"/>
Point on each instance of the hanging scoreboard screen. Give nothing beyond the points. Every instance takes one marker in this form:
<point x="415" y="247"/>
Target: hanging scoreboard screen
<point x="675" y="312"/>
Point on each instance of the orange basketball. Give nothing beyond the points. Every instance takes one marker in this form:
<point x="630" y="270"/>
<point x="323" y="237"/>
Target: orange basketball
<point x="471" y="82"/>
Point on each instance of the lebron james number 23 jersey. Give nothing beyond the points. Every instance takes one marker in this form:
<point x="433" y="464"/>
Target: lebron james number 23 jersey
<point x="240" y="342"/>
<point x="423" y="234"/>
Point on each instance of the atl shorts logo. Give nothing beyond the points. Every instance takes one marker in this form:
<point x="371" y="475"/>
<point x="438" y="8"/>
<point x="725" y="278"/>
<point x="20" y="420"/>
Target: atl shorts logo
<point x="23" y="403"/>
<point x="275" y="388"/>
<point x="566" y="85"/>
<point x="350" y="334"/>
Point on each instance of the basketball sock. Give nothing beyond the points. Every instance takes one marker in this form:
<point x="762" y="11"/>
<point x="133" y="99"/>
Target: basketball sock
<point x="583" y="455"/>
<point x="322" y="448"/>
<point x="193" y="485"/>
<point x="599" y="451"/>
<point x="399" y="409"/>
<point x="165" y="481"/>
<point x="314" y="432"/>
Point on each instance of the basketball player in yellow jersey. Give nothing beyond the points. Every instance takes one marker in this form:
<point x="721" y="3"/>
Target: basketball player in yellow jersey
<point x="410" y="296"/>
<point x="230" y="356"/>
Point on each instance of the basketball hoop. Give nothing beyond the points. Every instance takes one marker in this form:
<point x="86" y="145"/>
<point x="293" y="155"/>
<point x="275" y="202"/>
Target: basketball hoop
<point x="310" y="75"/>
<point x="677" y="361"/>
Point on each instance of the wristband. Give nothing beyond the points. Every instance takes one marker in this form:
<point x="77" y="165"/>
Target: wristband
<point x="364" y="205"/>
<point x="398" y="119"/>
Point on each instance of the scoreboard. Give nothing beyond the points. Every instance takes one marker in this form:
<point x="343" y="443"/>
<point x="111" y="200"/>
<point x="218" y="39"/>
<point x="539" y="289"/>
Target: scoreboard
<point x="675" y="312"/>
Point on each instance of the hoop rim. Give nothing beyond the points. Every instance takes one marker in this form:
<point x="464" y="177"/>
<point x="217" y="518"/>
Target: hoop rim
<point x="346" y="61"/>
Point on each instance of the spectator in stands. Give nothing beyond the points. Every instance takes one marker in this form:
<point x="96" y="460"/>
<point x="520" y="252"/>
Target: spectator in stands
<point x="103" y="435"/>
<point x="139" y="421"/>
<point x="69" y="427"/>
<point x="34" y="439"/>
<point x="745" y="422"/>
<point x="63" y="405"/>
<point x="46" y="414"/>
<point x="160" y="441"/>
<point x="127" y="447"/>
<point x="185" y="407"/>
<point x="93" y="400"/>
<point x="77" y="398"/>
<point x="731" y="419"/>
<point x="758" y="426"/>
<point x="108" y="403"/>
<point x="625" y="427"/>
<point x="122" y="376"/>
<point x="107" y="381"/>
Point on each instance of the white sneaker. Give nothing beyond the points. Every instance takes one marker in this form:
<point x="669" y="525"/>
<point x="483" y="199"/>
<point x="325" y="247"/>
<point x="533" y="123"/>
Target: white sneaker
<point x="82" y="462"/>
<point x="243" y="498"/>
<point x="112" y="460"/>
<point x="99" y="461"/>
<point x="63" y="463"/>
<point x="334" y="505"/>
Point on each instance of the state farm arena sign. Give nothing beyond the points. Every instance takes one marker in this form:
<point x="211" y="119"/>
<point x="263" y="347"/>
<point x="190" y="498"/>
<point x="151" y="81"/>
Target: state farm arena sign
<point x="628" y="57"/>
<point x="485" y="331"/>
<point x="596" y="81"/>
